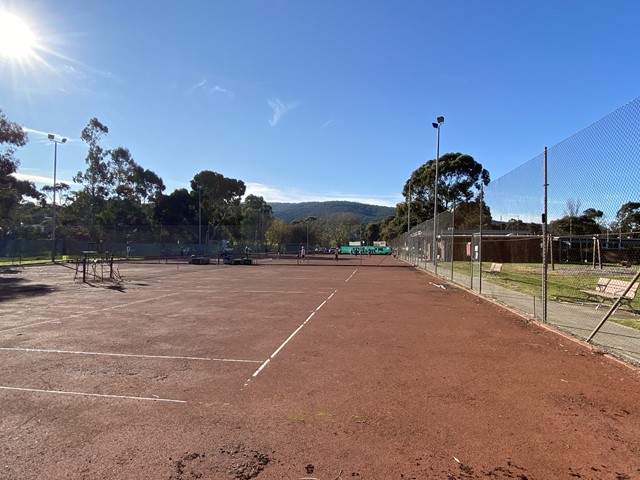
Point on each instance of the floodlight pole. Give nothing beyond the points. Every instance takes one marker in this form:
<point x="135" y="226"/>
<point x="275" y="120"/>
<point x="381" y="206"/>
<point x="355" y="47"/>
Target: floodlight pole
<point x="20" y="257"/>
<point x="52" y="137"/>
<point x="409" y="210"/>
<point x="545" y="252"/>
<point x="200" y="219"/>
<point x="436" y="125"/>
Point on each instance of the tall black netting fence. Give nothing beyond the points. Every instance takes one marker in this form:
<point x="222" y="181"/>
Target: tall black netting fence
<point x="592" y="242"/>
<point x="18" y="245"/>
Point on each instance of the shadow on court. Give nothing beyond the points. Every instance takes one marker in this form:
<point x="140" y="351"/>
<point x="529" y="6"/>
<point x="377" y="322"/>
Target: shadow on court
<point x="16" y="287"/>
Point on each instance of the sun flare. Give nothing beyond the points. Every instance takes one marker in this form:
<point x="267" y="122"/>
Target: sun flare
<point x="17" y="41"/>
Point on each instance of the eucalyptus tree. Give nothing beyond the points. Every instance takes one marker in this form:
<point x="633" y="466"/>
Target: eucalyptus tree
<point x="133" y="188"/>
<point x="177" y="208"/>
<point x="257" y="216"/>
<point x="340" y="228"/>
<point x="130" y="180"/>
<point x="460" y="178"/>
<point x="219" y="198"/>
<point x="95" y="180"/>
<point x="115" y="189"/>
<point x="306" y="221"/>
<point x="372" y="232"/>
<point x="573" y="224"/>
<point x="628" y="217"/>
<point x="12" y="190"/>
<point x="276" y="234"/>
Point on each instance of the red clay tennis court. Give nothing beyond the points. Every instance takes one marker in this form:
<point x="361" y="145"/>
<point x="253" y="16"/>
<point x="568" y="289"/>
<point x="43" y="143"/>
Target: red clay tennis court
<point x="363" y="368"/>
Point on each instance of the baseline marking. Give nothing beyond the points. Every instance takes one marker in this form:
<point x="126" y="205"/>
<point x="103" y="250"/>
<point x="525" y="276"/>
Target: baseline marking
<point x="83" y="394"/>
<point x="266" y="362"/>
<point x="106" y="354"/>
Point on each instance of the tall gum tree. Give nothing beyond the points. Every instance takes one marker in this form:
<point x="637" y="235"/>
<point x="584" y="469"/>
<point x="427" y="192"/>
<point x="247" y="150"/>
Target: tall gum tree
<point x="460" y="178"/>
<point x="95" y="180"/>
<point x="257" y="216"/>
<point x="219" y="197"/>
<point x="12" y="190"/>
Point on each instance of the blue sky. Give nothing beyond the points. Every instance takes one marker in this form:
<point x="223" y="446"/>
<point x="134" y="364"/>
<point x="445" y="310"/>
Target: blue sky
<point x="315" y="100"/>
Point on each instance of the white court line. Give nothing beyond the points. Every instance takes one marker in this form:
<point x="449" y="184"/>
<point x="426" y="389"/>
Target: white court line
<point x="272" y="291"/>
<point x="30" y="325"/>
<point x="83" y="394"/>
<point x="93" y="311"/>
<point x="350" y="276"/>
<point x="266" y="362"/>
<point x="139" y="301"/>
<point x="105" y="354"/>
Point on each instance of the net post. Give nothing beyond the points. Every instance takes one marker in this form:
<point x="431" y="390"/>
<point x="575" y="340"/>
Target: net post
<point x="84" y="268"/>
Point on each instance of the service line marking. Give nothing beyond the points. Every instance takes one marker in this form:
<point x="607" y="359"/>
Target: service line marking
<point x="106" y="354"/>
<point x="94" y="311"/>
<point x="274" y="291"/>
<point x="84" y="394"/>
<point x="30" y="325"/>
<point x="350" y="276"/>
<point x="266" y="362"/>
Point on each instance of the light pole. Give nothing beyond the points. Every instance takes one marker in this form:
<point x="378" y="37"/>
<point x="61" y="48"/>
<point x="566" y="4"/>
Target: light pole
<point x="436" y="125"/>
<point x="52" y="137"/>
<point x="307" y="221"/>
<point x="200" y="219"/>
<point x="409" y="209"/>
<point x="21" y="227"/>
<point x="409" y="221"/>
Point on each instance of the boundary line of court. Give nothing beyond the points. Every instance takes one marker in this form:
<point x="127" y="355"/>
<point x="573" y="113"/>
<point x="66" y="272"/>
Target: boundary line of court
<point x="83" y="394"/>
<point x="350" y="276"/>
<point x="105" y="354"/>
<point x="76" y="315"/>
<point x="266" y="362"/>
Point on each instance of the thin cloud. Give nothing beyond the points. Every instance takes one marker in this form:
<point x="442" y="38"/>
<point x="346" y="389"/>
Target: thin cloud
<point x="215" y="90"/>
<point x="40" y="179"/>
<point x="197" y="85"/>
<point x="279" y="109"/>
<point x="223" y="91"/>
<point x="327" y="123"/>
<point x="43" y="137"/>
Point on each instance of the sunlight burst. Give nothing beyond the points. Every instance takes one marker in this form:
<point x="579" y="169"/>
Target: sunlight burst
<point x="16" y="39"/>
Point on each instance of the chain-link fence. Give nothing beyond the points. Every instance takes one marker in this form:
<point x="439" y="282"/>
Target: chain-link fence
<point x="586" y="187"/>
<point x="122" y="241"/>
<point x="18" y="245"/>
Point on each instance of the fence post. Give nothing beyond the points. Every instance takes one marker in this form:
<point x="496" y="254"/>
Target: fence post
<point x="544" y="244"/>
<point x="480" y="243"/>
<point x="453" y="232"/>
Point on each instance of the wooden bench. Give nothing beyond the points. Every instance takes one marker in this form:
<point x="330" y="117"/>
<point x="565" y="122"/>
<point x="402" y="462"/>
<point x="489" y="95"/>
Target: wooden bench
<point x="610" y="289"/>
<point x="495" y="269"/>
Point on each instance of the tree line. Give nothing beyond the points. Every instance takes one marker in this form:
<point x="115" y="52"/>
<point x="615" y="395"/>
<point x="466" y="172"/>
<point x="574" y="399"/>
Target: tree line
<point x="116" y="199"/>
<point x="115" y="194"/>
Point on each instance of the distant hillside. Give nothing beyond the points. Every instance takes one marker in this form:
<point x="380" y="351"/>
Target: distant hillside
<point x="298" y="211"/>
